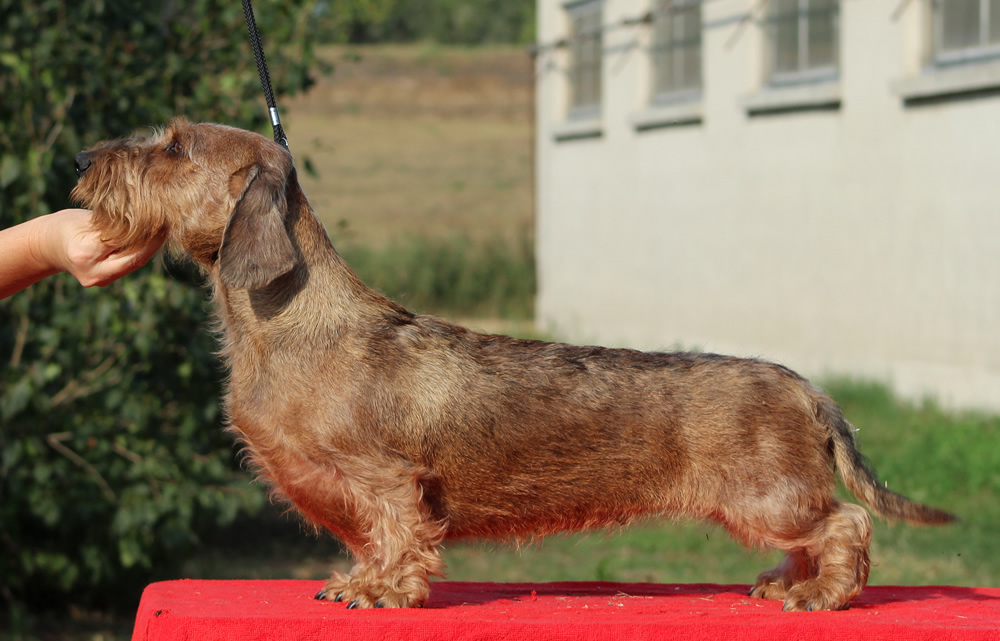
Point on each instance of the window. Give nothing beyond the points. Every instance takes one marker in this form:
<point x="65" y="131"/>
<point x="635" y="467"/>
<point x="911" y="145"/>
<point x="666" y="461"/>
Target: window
<point x="804" y="40"/>
<point x="585" y="50"/>
<point x="676" y="51"/>
<point x="966" y="29"/>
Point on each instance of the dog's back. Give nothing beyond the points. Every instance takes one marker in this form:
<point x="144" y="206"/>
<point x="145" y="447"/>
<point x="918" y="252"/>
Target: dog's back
<point x="531" y="437"/>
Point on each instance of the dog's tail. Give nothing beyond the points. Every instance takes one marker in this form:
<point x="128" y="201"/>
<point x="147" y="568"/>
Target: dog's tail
<point x="861" y="480"/>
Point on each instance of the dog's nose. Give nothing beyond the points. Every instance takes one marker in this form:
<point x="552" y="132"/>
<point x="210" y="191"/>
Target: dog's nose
<point x="82" y="163"/>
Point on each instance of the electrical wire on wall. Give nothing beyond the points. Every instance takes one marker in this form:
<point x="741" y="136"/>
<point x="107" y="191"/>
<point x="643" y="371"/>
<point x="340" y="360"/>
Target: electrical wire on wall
<point x="755" y="14"/>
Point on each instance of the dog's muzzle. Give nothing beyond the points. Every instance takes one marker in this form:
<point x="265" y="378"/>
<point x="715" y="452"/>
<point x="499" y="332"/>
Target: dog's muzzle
<point x="82" y="163"/>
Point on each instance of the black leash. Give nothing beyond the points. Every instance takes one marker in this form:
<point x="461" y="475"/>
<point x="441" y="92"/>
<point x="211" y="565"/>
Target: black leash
<point x="265" y="77"/>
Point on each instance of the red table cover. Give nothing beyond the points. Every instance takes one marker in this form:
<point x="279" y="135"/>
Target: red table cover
<point x="285" y="610"/>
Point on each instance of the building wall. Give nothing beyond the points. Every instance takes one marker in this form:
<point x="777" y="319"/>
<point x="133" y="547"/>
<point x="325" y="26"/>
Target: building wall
<point x="860" y="240"/>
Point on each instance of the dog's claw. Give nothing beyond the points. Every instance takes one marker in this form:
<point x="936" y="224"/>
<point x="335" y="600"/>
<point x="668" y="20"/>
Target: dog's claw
<point x="320" y="595"/>
<point x="380" y="604"/>
<point x="352" y="605"/>
<point x="339" y="597"/>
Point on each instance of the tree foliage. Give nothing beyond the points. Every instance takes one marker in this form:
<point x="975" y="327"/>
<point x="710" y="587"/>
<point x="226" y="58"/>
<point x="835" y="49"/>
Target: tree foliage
<point x="465" y="22"/>
<point x="111" y="456"/>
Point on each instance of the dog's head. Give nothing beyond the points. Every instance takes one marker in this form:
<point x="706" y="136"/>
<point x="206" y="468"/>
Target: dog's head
<point x="219" y="193"/>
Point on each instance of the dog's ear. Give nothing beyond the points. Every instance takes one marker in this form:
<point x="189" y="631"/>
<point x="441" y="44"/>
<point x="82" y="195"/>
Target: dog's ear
<point x="255" y="247"/>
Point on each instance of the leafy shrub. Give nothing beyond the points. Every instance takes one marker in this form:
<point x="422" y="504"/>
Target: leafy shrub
<point x="465" y="22"/>
<point x="111" y="460"/>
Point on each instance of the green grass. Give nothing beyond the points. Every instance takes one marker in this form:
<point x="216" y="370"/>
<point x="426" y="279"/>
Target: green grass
<point x="451" y="276"/>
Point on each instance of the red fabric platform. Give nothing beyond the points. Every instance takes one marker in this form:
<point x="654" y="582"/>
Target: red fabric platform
<point x="285" y="610"/>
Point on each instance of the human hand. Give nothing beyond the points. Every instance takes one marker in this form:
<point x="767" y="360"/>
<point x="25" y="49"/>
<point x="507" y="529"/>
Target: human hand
<point x="71" y="244"/>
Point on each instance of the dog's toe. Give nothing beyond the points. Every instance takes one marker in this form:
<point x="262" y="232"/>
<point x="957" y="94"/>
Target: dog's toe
<point x="364" y="602"/>
<point x="808" y="597"/>
<point x="799" y="606"/>
<point x="795" y="605"/>
<point x="768" y="590"/>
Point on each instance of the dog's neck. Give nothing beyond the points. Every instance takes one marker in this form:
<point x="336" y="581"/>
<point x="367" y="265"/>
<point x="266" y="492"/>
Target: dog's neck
<point x="317" y="300"/>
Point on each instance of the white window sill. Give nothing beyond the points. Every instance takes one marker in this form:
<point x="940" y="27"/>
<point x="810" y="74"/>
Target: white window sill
<point x="945" y="82"/>
<point x="668" y="115"/>
<point x="799" y="97"/>
<point x="578" y="128"/>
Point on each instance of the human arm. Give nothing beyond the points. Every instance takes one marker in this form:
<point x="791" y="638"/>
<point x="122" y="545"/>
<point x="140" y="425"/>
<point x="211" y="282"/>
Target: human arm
<point x="64" y="242"/>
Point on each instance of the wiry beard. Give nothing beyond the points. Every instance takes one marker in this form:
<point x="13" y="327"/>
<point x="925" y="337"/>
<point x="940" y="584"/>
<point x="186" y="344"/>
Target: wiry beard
<point x="110" y="188"/>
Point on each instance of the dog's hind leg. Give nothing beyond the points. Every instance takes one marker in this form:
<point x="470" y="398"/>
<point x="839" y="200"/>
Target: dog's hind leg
<point x="398" y="549"/>
<point x="825" y="568"/>
<point x="841" y="560"/>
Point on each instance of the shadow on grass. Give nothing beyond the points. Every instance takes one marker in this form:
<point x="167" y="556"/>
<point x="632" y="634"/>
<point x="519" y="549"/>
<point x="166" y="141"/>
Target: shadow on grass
<point x="272" y="544"/>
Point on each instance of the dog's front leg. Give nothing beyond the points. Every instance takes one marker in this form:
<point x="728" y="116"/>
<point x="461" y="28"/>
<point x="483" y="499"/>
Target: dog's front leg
<point x="397" y="551"/>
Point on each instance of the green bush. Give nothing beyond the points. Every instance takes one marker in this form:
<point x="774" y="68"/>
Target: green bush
<point x="111" y="456"/>
<point x="465" y="22"/>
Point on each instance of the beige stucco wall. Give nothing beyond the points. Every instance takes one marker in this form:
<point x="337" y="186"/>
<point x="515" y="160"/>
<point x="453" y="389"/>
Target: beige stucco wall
<point x="863" y="240"/>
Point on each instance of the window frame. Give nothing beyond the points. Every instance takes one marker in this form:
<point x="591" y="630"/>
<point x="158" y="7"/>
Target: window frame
<point x="804" y="73"/>
<point x="666" y="52"/>
<point x="576" y="11"/>
<point x="976" y="53"/>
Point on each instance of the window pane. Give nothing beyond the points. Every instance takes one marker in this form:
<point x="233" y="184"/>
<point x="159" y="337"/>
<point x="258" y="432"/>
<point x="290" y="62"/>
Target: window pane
<point x="822" y="47"/>
<point x="585" y="52"/>
<point x="594" y="58"/>
<point x="994" y="32"/>
<point x="959" y="24"/>
<point x="661" y="23"/>
<point x="575" y="50"/>
<point x="785" y="22"/>
<point x="662" y="47"/>
<point x="676" y="48"/>
<point x="690" y="47"/>
<point x="662" y="53"/>
<point x="662" y="69"/>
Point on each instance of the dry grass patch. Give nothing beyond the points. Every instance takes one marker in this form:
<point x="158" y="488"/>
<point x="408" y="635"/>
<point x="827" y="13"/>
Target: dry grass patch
<point x="419" y="141"/>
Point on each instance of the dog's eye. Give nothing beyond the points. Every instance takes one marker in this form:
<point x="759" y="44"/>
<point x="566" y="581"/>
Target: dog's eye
<point x="175" y="148"/>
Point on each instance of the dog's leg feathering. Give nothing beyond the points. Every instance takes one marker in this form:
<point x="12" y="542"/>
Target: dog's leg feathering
<point x="825" y="568"/>
<point x="400" y="549"/>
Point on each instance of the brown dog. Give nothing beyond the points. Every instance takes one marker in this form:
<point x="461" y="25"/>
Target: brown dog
<point x="396" y="431"/>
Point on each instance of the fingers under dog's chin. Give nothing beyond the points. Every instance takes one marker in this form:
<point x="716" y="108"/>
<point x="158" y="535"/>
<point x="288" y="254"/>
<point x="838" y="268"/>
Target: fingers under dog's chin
<point x="116" y="229"/>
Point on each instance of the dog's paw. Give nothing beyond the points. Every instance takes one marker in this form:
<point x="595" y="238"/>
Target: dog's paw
<point x="808" y="596"/>
<point x="774" y="590"/>
<point x="771" y="584"/>
<point x="358" y="594"/>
